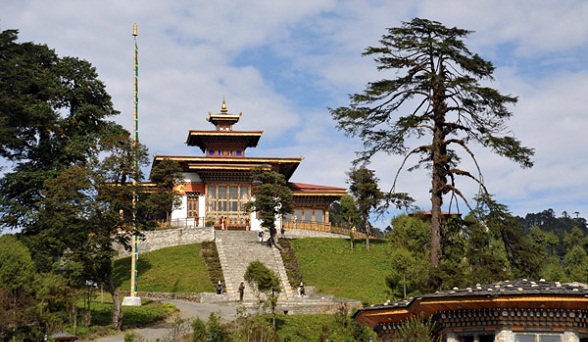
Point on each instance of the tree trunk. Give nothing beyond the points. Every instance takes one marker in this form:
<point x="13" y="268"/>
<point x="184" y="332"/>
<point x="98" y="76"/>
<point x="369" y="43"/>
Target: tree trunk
<point x="117" y="314"/>
<point x="367" y="235"/>
<point x="439" y="159"/>
<point x="436" y="227"/>
<point x="436" y="203"/>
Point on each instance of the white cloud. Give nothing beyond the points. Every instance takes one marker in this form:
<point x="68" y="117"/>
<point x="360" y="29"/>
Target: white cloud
<point x="283" y="63"/>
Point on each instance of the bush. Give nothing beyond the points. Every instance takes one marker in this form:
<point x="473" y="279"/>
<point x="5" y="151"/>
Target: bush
<point x="198" y="330"/>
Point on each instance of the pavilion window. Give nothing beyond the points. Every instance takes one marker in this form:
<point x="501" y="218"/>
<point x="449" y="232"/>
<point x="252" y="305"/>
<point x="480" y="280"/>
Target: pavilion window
<point x="244" y="190"/>
<point x="298" y="214"/>
<point x="308" y="216"/>
<point x="192" y="204"/>
<point x="211" y="153"/>
<point x="475" y="338"/>
<point x="226" y="200"/>
<point x="234" y="198"/>
<point x="222" y="198"/>
<point x="319" y="216"/>
<point x="538" y="337"/>
<point x="239" y="153"/>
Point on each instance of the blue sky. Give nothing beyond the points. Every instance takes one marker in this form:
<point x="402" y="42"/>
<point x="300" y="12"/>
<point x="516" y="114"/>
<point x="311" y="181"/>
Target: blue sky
<point x="284" y="63"/>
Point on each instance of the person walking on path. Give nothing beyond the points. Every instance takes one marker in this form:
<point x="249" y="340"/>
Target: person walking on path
<point x="241" y="291"/>
<point x="301" y="291"/>
<point x="260" y="235"/>
<point x="219" y="287"/>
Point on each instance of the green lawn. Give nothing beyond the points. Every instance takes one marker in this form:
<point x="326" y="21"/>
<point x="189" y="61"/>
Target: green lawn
<point x="328" y="264"/>
<point x="173" y="269"/>
<point x="334" y="268"/>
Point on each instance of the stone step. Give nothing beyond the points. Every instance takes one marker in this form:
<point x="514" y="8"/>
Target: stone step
<point x="236" y="250"/>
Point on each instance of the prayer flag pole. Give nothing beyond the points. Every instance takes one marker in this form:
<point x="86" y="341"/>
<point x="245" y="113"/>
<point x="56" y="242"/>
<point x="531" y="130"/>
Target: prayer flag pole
<point x="133" y="300"/>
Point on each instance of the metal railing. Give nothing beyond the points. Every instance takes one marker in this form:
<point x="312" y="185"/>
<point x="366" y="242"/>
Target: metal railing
<point x="242" y="224"/>
<point x="326" y="227"/>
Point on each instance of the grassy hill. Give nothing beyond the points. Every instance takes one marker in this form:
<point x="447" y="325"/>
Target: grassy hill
<point x="334" y="268"/>
<point x="173" y="269"/>
<point x="330" y="265"/>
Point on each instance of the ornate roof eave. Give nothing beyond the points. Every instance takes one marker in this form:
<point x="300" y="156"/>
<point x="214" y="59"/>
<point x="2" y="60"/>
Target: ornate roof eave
<point x="223" y="116"/>
<point x="531" y="296"/>
<point x="319" y="194"/>
<point x="213" y="117"/>
<point x="285" y="166"/>
<point x="301" y="189"/>
<point x="198" y="138"/>
<point x="371" y="317"/>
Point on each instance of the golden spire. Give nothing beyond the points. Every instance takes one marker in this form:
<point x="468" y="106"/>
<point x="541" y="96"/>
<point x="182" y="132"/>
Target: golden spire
<point x="224" y="107"/>
<point x="135" y="29"/>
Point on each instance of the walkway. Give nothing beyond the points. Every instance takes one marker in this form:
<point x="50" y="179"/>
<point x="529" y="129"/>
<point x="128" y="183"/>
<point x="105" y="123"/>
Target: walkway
<point x="187" y="311"/>
<point x="236" y="250"/>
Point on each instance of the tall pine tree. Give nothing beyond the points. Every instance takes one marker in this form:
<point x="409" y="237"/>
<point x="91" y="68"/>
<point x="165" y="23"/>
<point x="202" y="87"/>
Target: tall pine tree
<point x="434" y="94"/>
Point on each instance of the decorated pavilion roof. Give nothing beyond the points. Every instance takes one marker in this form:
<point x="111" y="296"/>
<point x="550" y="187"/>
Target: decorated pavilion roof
<point x="316" y="190"/>
<point x="208" y="166"/>
<point x="513" y="294"/>
<point x="204" y="138"/>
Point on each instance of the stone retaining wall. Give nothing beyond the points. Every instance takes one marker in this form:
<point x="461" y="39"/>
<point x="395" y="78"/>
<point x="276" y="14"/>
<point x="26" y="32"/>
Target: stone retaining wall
<point x="325" y="307"/>
<point x="196" y="297"/>
<point x="300" y="234"/>
<point x="157" y="239"/>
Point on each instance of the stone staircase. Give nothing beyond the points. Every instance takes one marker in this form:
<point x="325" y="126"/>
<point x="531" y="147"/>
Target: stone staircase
<point x="236" y="249"/>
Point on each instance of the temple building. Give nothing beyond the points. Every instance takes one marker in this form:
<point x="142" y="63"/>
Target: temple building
<point x="509" y="311"/>
<point x="218" y="183"/>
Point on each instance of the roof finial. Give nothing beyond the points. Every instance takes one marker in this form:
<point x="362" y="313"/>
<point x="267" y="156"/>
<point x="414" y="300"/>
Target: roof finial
<point x="224" y="106"/>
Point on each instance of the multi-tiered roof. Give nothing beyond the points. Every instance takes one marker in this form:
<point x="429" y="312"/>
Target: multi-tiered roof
<point x="225" y="157"/>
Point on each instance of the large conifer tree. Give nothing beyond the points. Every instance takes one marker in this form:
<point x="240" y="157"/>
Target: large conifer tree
<point x="435" y="92"/>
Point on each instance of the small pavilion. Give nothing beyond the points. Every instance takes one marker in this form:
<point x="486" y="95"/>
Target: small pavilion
<point x="508" y="311"/>
<point x="218" y="183"/>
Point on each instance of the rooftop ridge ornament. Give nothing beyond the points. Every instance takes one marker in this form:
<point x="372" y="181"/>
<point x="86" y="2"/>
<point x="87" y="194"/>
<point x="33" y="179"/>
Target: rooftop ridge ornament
<point x="224" y="109"/>
<point x="223" y="121"/>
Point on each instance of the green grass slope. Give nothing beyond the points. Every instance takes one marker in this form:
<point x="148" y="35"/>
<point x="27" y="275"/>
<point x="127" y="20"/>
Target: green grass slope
<point x="330" y="265"/>
<point x="334" y="268"/>
<point x="173" y="269"/>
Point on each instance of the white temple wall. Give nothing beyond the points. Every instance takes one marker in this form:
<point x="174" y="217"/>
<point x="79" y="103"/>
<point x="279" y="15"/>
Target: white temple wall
<point x="504" y="335"/>
<point x="202" y="210"/>
<point x="451" y="337"/>
<point x="181" y="212"/>
<point x="191" y="177"/>
<point x="571" y="336"/>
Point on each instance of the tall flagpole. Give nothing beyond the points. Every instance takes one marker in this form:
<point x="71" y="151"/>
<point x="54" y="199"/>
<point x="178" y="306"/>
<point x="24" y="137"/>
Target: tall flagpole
<point x="133" y="300"/>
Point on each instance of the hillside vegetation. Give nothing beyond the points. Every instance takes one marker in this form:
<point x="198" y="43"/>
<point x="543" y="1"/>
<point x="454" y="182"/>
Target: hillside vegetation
<point x="334" y="268"/>
<point x="330" y="265"/>
<point x="173" y="269"/>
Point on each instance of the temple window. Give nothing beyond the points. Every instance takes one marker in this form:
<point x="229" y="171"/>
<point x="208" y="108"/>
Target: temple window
<point x="211" y="153"/>
<point x="239" y="153"/>
<point x="475" y="338"/>
<point x="226" y="200"/>
<point x="538" y="337"/>
<point x="318" y="216"/>
<point x="308" y="216"/>
<point x="298" y="214"/>
<point x="192" y="204"/>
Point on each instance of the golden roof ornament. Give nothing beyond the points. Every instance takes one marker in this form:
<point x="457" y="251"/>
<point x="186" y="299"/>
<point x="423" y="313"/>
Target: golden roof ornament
<point x="224" y="109"/>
